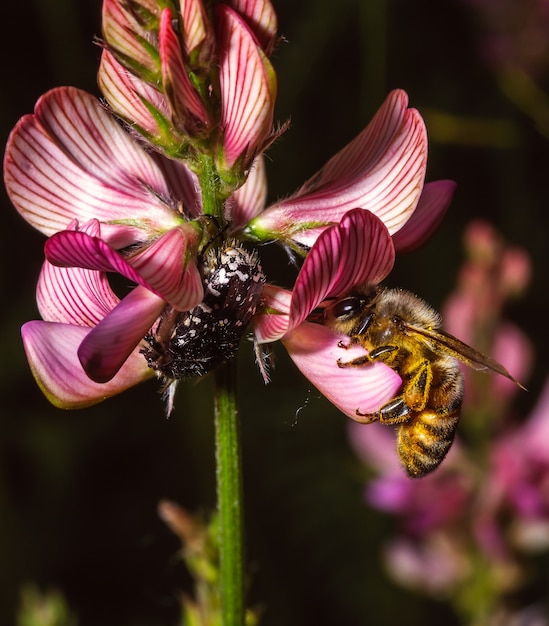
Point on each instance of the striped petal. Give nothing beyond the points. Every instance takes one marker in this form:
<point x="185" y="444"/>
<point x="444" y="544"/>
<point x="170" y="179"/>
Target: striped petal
<point x="381" y="170"/>
<point x="71" y="160"/>
<point x="273" y="323"/>
<point x="194" y="24"/>
<point x="433" y="203"/>
<point x="182" y="96"/>
<point x="356" y="251"/>
<point x="138" y="103"/>
<point x="160" y="267"/>
<point x="249" y="200"/>
<point x="107" y="346"/>
<point x="52" y="354"/>
<point x="261" y="18"/>
<point x="315" y="351"/>
<point x="248" y="88"/>
<point x="184" y="185"/>
<point x="73" y="295"/>
<point x="128" y="28"/>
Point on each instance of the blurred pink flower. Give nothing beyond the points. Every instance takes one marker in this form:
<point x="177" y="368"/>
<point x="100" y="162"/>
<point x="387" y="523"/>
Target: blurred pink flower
<point x="492" y="274"/>
<point x="435" y="502"/>
<point x="426" y="553"/>
<point x="518" y="483"/>
<point x="514" y="34"/>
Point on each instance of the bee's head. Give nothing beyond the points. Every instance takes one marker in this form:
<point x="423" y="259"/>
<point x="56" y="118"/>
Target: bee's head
<point x="351" y="315"/>
<point x="345" y="315"/>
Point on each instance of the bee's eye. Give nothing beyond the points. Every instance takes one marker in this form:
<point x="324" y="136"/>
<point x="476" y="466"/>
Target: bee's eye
<point x="346" y="307"/>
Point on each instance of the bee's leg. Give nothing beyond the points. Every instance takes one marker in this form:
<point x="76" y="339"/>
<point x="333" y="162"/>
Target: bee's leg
<point x="352" y="342"/>
<point x="393" y="412"/>
<point x="417" y="386"/>
<point x="386" y="354"/>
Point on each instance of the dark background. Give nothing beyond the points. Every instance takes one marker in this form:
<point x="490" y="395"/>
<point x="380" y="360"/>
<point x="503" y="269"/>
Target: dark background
<point x="79" y="490"/>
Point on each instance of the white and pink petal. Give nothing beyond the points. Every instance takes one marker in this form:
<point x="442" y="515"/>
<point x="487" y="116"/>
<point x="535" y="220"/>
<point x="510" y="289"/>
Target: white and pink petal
<point x="125" y="32"/>
<point x="381" y="170"/>
<point x="132" y="99"/>
<point x="51" y="350"/>
<point x="194" y="24"/>
<point x="261" y="18"/>
<point x="163" y="267"/>
<point x="273" y="322"/>
<point x="72" y="160"/>
<point x="177" y="86"/>
<point x="249" y="200"/>
<point x="248" y="88"/>
<point x="73" y="295"/>
<point x="315" y="350"/>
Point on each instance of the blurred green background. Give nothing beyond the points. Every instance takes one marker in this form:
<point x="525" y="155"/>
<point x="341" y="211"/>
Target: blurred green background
<point x="79" y="490"/>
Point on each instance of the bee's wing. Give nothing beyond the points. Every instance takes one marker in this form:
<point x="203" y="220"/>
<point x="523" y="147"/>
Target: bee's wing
<point x="444" y="343"/>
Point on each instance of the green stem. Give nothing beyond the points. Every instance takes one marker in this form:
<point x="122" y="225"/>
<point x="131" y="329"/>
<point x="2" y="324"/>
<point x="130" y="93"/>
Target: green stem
<point x="210" y="186"/>
<point x="229" y="496"/>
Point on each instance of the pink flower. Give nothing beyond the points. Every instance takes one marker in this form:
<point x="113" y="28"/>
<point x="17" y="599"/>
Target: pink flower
<point x="492" y="274"/>
<point x="356" y="251"/>
<point x="381" y="170"/>
<point x="109" y="207"/>
<point x="354" y="247"/>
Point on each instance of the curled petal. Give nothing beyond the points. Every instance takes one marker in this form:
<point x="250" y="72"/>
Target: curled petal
<point x="160" y="268"/>
<point x="248" y="88"/>
<point x="249" y="200"/>
<point x="107" y="346"/>
<point x="73" y="295"/>
<point x="315" y="351"/>
<point x="51" y="352"/>
<point x="381" y="170"/>
<point x="433" y="202"/>
<point x="71" y="160"/>
<point x="356" y="251"/>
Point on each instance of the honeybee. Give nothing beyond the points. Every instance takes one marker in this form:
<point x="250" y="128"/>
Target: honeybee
<point x="404" y="332"/>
